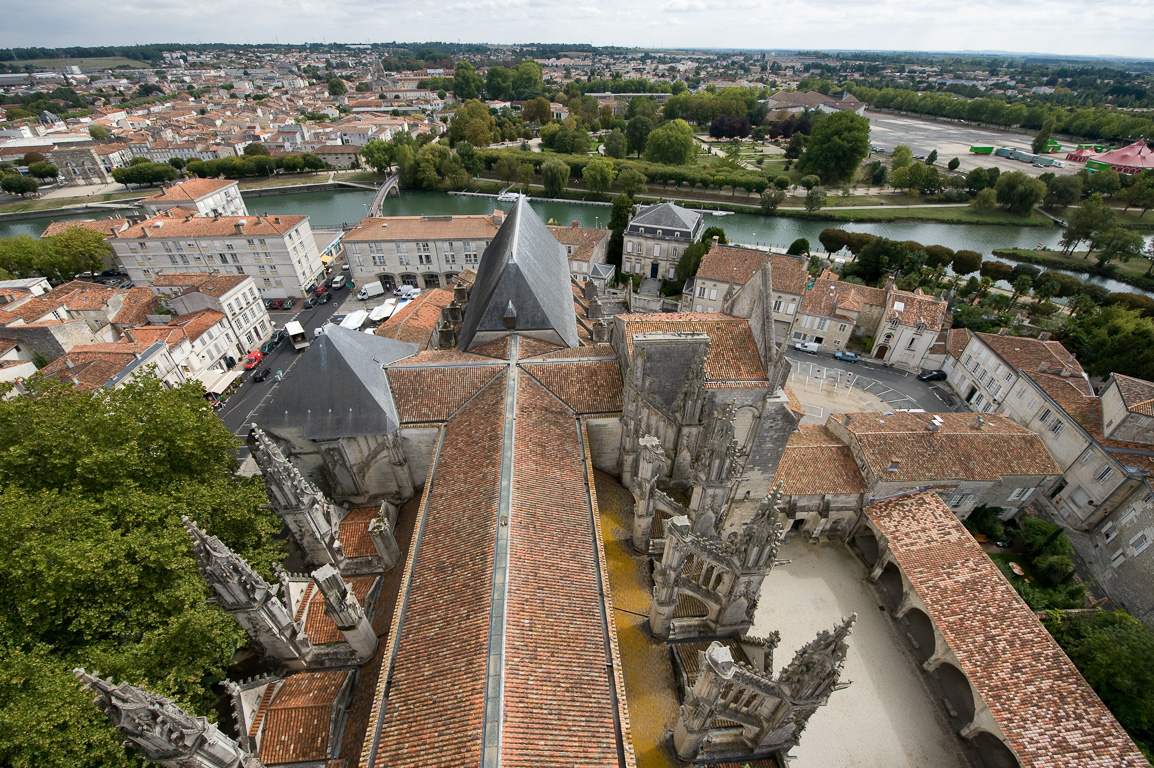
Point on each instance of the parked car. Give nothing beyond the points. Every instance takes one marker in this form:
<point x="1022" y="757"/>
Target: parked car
<point x="253" y="360"/>
<point x="326" y="297"/>
<point x="807" y="346"/>
<point x="279" y="336"/>
<point x="262" y="374"/>
<point x="848" y="357"/>
<point x="338" y="282"/>
<point x="322" y="290"/>
<point x="110" y="273"/>
<point x="267" y="347"/>
<point x="284" y="304"/>
<point x="268" y="303"/>
<point x="938" y="375"/>
<point x="310" y="302"/>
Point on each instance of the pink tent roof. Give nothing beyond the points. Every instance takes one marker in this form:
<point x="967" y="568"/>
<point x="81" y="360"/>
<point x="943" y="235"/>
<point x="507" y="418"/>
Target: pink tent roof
<point x="1132" y="159"/>
<point x="1081" y="156"/>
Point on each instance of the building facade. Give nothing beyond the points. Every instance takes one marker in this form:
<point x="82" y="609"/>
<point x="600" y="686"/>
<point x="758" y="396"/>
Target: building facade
<point x="655" y="239"/>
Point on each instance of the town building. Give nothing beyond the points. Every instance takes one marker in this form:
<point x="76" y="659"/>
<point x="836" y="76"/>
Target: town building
<point x="656" y="237"/>
<point x="235" y="297"/>
<point x="278" y="252"/>
<point x="585" y="248"/>
<point x="208" y="197"/>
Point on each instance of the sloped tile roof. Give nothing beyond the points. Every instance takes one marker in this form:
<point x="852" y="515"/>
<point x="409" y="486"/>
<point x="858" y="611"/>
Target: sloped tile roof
<point x="416" y="320"/>
<point x="586" y="387"/>
<point x="318" y="626"/>
<point x="583" y="239"/>
<point x="169" y="225"/>
<point x="1047" y="711"/>
<point x="1137" y="394"/>
<point x="733" y="355"/>
<point x="297" y="723"/>
<point x="899" y="447"/>
<point x="192" y="189"/>
<point x="817" y="463"/>
<point x="354" y="532"/>
<point x="732" y="265"/>
<point x="916" y="308"/>
<point x="409" y="228"/>
<point x="1075" y="396"/>
<point x="1024" y="353"/>
<point x="588" y="351"/>
<point x="103" y="226"/>
<point x="138" y="304"/>
<point x="434" y="394"/>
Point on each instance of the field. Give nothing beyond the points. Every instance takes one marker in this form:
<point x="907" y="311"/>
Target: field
<point x="105" y="62"/>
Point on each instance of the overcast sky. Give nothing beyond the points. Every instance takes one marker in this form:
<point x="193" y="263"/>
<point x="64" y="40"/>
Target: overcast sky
<point x="1124" y="27"/>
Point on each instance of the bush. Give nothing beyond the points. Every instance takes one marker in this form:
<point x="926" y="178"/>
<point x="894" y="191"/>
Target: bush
<point x="798" y="247"/>
<point x="984" y="520"/>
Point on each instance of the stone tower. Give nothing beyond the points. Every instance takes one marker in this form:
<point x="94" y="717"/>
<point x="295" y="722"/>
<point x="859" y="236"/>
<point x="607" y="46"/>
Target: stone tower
<point x="251" y="600"/>
<point x="716" y="464"/>
<point x="342" y="607"/>
<point x="163" y="732"/>
<point x="311" y="518"/>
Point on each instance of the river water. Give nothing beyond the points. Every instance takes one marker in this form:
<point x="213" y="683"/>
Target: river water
<point x="334" y="208"/>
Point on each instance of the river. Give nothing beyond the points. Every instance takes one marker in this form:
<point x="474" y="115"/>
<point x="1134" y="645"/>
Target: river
<point x="334" y="208"/>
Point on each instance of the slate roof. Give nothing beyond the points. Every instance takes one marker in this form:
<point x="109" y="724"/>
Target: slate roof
<point x="1047" y="711"/>
<point x="898" y="447"/>
<point x="339" y="388"/>
<point x="665" y="216"/>
<point x="525" y="268"/>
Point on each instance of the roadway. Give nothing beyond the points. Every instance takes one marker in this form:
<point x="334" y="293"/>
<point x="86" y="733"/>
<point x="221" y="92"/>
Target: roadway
<point x="244" y="405"/>
<point x="900" y="389"/>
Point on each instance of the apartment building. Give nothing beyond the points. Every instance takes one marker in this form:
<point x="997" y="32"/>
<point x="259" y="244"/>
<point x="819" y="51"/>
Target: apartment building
<point x="656" y="237"/>
<point x="725" y="270"/>
<point x="234" y="296"/>
<point x="421" y="251"/>
<point x="278" y="252"/>
<point x="908" y="328"/>
<point x="585" y="248"/>
<point x="207" y="197"/>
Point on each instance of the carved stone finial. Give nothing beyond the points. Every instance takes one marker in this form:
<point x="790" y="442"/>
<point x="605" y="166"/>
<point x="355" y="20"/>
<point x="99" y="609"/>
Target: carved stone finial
<point x="342" y="607"/>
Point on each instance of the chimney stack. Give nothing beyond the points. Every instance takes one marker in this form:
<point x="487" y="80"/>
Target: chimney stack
<point x="574" y="225"/>
<point x="600" y="332"/>
<point x="1044" y="336"/>
<point x="460" y="294"/>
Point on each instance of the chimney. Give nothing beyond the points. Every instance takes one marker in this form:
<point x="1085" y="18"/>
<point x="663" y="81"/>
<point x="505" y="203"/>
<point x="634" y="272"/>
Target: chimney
<point x="260" y="219"/>
<point x="239" y="228"/>
<point x="594" y="310"/>
<point x="716" y="240"/>
<point x="216" y="217"/>
<point x="600" y="332"/>
<point x="1003" y="331"/>
<point x="1041" y="367"/>
<point x="980" y="422"/>
<point x="574" y="225"/>
<point x="454" y="313"/>
<point x="276" y="219"/>
<point x="1044" y="336"/>
<point x="498" y="217"/>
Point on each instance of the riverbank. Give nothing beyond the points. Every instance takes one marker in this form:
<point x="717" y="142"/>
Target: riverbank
<point x="1132" y="273"/>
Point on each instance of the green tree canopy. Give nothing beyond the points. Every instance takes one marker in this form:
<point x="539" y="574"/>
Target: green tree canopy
<point x="616" y="145"/>
<point x="98" y="132"/>
<point x="472" y="123"/>
<point x="637" y="132"/>
<point x="43" y="170"/>
<point x="599" y="174"/>
<point x="632" y="182"/>
<point x="378" y="154"/>
<point x="966" y="262"/>
<point x="1061" y="192"/>
<point x="337" y="87"/>
<point x="94" y="485"/>
<point x="833" y="240"/>
<point x="555" y="175"/>
<point x="690" y="260"/>
<point x="1042" y="138"/>
<point x="467" y="84"/>
<point x="771" y="198"/>
<point x="671" y="144"/>
<point x="15" y="184"/>
<point x="815" y="200"/>
<point x="255" y="148"/>
<point x="1019" y="192"/>
<point x="837" y="145"/>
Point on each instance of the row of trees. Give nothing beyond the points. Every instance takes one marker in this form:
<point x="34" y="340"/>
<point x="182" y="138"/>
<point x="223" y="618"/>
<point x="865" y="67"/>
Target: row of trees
<point x="61" y="257"/>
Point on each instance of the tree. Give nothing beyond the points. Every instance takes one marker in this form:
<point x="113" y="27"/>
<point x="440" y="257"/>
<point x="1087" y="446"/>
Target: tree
<point x="505" y="168"/>
<point x="1022" y="286"/>
<point x="43" y="170"/>
<point x="98" y="132"/>
<point x="1114" y="339"/>
<point x="809" y="182"/>
<point x="76" y="250"/>
<point x="795" y="147"/>
<point x="499" y="83"/>
<point x="616" y="145"/>
<point x="815" y="199"/>
<point x="31" y="158"/>
<point x="878" y="257"/>
<point x="337" y="87"/>
<point x="537" y="111"/>
<point x="836" y="147"/>
<point x="1141" y="194"/>
<point x="554" y="175"/>
<point x="632" y="182"/>
<point x="619" y="217"/>
<point x="378" y="155"/>
<point x="24" y="256"/>
<point x="771" y="198"/>
<point x="127" y="462"/>
<point x="690" y="260"/>
<point x="953" y="164"/>
<point x="901" y="156"/>
<point x="966" y="262"/>
<point x="1087" y="220"/>
<point x="799" y="247"/>
<point x="472" y="123"/>
<point x="783" y="182"/>
<point x="526" y="80"/>
<point x="833" y="240"/>
<point x="525" y="175"/>
<point x="1042" y="139"/>
<point x="1105" y="182"/>
<point x="671" y="144"/>
<point x="15" y="184"/>
<point x="1116" y="244"/>
<point x="1062" y="192"/>
<point x="469" y="157"/>
<point x="1019" y="192"/>
<point x="637" y="132"/>
<point x="932" y="157"/>
<point x="599" y="174"/>
<point x="467" y="84"/>
<point x="255" y="149"/>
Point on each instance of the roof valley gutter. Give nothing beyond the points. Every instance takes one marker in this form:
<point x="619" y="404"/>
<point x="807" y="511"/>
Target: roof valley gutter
<point x="495" y="667"/>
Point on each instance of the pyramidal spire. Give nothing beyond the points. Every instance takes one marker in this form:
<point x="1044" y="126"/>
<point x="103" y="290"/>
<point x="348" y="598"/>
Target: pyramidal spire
<point x="163" y="732"/>
<point x="816" y="668"/>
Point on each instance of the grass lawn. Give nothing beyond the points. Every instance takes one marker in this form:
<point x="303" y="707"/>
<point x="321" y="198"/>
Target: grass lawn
<point x="321" y="177"/>
<point x="1132" y="220"/>
<point x="49" y="203"/>
<point x="103" y="62"/>
<point x="1076" y="261"/>
<point x="953" y="215"/>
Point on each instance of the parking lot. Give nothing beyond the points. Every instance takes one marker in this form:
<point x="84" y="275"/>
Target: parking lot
<point x="952" y="139"/>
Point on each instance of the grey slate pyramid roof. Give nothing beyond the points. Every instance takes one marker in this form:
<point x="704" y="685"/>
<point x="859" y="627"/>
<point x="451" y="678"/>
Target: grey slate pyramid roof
<point x="523" y="274"/>
<point x="339" y="388"/>
<point x="667" y="216"/>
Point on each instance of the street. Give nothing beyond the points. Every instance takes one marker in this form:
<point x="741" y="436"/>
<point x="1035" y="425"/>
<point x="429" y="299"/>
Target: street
<point x="240" y="410"/>
<point x="899" y="388"/>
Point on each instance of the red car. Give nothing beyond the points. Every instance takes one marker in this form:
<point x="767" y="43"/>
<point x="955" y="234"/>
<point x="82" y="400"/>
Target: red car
<point x="322" y="290"/>
<point x="253" y="361"/>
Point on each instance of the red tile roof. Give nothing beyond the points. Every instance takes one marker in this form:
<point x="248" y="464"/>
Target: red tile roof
<point x="815" y="462"/>
<point x="355" y="532"/>
<point x="586" y="387"/>
<point x="733" y="355"/>
<point x="192" y="189"/>
<point x="297" y="724"/>
<point x="1024" y="353"/>
<point x="434" y="394"/>
<point x="416" y="320"/>
<point x="318" y="626"/>
<point x="1137" y="394"/>
<point x="1047" y="711"/>
<point x="732" y="265"/>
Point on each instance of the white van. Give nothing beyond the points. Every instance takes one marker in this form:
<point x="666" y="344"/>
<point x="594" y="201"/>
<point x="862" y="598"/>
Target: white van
<point x="807" y="346"/>
<point x="407" y="292"/>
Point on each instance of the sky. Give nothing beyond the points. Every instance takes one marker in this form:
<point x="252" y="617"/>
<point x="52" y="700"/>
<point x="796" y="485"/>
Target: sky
<point x="1076" y="27"/>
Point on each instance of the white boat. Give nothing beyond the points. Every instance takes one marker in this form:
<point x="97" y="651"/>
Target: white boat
<point x="509" y="197"/>
<point x="721" y="213"/>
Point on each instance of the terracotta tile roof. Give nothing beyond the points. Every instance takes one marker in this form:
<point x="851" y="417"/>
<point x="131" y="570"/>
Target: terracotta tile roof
<point x="1047" y="711"/>
<point x="586" y="387"/>
<point x="214" y="284"/>
<point x="1075" y="396"/>
<point x="437" y="687"/>
<point x="147" y="334"/>
<point x="103" y="226"/>
<point x="897" y="447"/>
<point x="498" y="348"/>
<point x="434" y="357"/>
<point x="175" y="226"/>
<point x="1138" y="395"/>
<point x="589" y="351"/>
<point x="915" y="308"/>
<point x="794" y="403"/>
<point x="30" y="311"/>
<point x="788" y="274"/>
<point x="1137" y="455"/>
<point x="583" y="239"/>
<point x="354" y="532"/>
<point x="196" y="323"/>
<point x="408" y="228"/>
<point x="138" y="304"/>
<point x="87" y="370"/>
<point x="318" y="626"/>
<point x="733" y="265"/>
<point x="297" y="724"/>
<point x="959" y="338"/>
<point x="815" y="462"/>
<point x="558" y="704"/>
<point x="434" y="394"/>
<point x="191" y="189"/>
<point x="531" y="347"/>
<point x="1024" y="353"/>
<point x="78" y="295"/>
<point x="416" y="320"/>
<point x="733" y="355"/>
